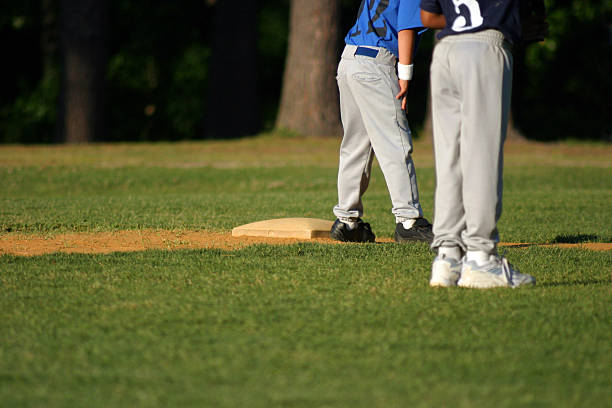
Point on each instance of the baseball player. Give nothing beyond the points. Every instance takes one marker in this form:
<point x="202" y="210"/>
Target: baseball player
<point x="372" y="102"/>
<point x="471" y="80"/>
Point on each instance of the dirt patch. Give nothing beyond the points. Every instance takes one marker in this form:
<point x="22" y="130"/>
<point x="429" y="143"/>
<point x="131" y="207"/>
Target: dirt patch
<point x="130" y="241"/>
<point x="126" y="241"/>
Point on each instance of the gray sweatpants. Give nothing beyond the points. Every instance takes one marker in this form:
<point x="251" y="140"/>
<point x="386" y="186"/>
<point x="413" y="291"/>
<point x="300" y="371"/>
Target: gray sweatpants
<point x="373" y="121"/>
<point x="471" y="82"/>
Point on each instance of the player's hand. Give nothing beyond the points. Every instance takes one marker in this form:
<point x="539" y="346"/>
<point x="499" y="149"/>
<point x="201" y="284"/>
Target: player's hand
<point x="403" y="84"/>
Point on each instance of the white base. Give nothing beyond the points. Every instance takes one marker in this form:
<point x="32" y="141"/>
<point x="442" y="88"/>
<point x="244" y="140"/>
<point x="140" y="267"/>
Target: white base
<point x="301" y="228"/>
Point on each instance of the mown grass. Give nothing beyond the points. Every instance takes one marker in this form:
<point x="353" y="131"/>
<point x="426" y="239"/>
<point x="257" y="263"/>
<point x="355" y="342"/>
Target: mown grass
<point x="301" y="325"/>
<point x="541" y="204"/>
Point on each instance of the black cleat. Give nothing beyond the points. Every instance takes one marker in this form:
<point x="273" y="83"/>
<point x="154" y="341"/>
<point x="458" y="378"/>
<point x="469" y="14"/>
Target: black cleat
<point x="361" y="233"/>
<point x="421" y="230"/>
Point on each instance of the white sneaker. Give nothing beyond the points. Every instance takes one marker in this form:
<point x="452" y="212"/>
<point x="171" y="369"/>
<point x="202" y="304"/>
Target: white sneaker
<point x="498" y="272"/>
<point x="445" y="271"/>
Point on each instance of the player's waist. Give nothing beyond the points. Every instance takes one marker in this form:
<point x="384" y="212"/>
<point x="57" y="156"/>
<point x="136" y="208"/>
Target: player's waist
<point x="380" y="54"/>
<point x="490" y="36"/>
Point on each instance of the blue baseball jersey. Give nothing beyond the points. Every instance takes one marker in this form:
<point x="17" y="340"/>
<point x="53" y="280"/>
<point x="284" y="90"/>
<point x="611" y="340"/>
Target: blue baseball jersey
<point x="379" y="21"/>
<point x="470" y="16"/>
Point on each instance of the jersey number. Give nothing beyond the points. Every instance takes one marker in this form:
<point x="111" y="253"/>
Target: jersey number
<point x="461" y="23"/>
<point x="382" y="6"/>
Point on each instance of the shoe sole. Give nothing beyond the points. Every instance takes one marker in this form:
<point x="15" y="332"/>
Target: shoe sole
<point x="477" y="280"/>
<point x="529" y="282"/>
<point x="338" y="238"/>
<point x="352" y="241"/>
<point x="442" y="283"/>
<point x="344" y="239"/>
<point x="401" y="239"/>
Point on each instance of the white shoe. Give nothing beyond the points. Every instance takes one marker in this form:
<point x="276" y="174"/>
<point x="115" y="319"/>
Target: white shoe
<point x="498" y="272"/>
<point x="445" y="271"/>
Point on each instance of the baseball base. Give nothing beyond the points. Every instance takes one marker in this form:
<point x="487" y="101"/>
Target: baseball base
<point x="302" y="228"/>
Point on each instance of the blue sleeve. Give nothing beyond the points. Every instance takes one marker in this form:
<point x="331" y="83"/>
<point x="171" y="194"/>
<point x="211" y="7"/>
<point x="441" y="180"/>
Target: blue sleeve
<point x="432" y="6"/>
<point x="408" y="15"/>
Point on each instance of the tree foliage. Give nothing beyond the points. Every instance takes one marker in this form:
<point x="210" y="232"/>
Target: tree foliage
<point x="563" y="87"/>
<point x="160" y="55"/>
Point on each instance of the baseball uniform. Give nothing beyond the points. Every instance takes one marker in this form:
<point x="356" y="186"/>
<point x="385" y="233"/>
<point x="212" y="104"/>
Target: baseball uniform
<point x="471" y="81"/>
<point x="373" y="120"/>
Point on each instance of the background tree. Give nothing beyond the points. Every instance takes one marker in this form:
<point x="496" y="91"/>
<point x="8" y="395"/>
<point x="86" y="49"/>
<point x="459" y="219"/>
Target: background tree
<point x="233" y="108"/>
<point x="309" y="101"/>
<point x="160" y="65"/>
<point x="49" y="38"/>
<point x="84" y="42"/>
<point x="30" y="82"/>
<point x="158" y="69"/>
<point x="564" y="86"/>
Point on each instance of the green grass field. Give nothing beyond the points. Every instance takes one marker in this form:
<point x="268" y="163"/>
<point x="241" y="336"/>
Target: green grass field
<point x="302" y="325"/>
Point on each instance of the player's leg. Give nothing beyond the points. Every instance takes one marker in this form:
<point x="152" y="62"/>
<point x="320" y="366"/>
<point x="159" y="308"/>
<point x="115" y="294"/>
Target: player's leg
<point x="374" y="87"/>
<point x="410" y="224"/>
<point x="449" y="218"/>
<point x="356" y="153"/>
<point x="356" y="156"/>
<point x="486" y="83"/>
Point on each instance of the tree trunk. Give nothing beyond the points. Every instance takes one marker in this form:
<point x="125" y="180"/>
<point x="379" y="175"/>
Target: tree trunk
<point x="232" y="108"/>
<point x="84" y="32"/>
<point x="309" y="102"/>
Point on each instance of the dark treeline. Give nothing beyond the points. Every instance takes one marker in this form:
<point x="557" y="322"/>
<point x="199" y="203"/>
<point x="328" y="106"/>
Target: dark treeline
<point x="199" y="69"/>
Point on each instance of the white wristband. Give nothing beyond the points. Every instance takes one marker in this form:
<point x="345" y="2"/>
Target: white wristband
<point x="404" y="71"/>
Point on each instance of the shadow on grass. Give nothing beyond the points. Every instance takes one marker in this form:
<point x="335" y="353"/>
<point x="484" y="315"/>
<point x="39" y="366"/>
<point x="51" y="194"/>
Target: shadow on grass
<point x="574" y="239"/>
<point x="586" y="282"/>
<point x="588" y="241"/>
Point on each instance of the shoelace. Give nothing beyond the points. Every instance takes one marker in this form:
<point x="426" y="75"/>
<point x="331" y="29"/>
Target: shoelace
<point x="507" y="270"/>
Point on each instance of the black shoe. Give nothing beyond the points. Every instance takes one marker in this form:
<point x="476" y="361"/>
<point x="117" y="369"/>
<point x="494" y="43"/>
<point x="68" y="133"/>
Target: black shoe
<point x="361" y="233"/>
<point x="421" y="230"/>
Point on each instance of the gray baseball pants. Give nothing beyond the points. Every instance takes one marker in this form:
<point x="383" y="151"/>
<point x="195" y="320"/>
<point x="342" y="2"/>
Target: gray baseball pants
<point x="373" y="121"/>
<point x="471" y="83"/>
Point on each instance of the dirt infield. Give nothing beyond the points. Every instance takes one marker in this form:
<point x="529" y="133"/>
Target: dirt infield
<point x="130" y="241"/>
